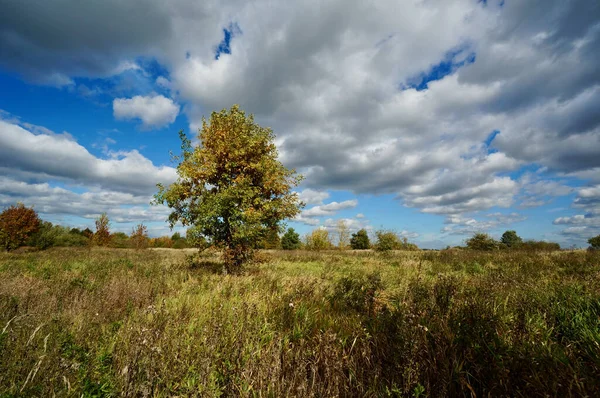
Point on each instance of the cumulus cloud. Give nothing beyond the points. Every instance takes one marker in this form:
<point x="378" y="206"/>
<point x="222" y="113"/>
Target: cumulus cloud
<point x="311" y="216"/>
<point x="329" y="208"/>
<point x="48" y="200"/>
<point x="46" y="155"/>
<point x="154" y="111"/>
<point x="586" y="225"/>
<point x="461" y="225"/>
<point x="313" y="197"/>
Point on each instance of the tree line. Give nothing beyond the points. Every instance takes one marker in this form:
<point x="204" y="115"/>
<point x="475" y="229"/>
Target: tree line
<point x="21" y="226"/>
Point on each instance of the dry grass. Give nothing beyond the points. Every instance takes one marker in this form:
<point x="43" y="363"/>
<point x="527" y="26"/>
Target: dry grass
<point x="110" y="322"/>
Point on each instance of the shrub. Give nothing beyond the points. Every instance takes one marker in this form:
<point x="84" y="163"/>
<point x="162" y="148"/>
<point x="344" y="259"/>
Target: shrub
<point x="386" y="241"/>
<point x="539" y="245"/>
<point x="318" y="240"/>
<point x="360" y="240"/>
<point x="481" y="241"/>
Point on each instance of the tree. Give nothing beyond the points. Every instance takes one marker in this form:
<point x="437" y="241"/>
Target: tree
<point x="88" y="233"/>
<point x="360" y="240"/>
<point x="102" y="234"/>
<point x="232" y="187"/>
<point x="343" y="234"/>
<point x="481" y="241"/>
<point x="511" y="239"/>
<point x="318" y="240"/>
<point x="17" y="223"/>
<point x="290" y="240"/>
<point x="594" y="243"/>
<point x="386" y="241"/>
<point x="139" y="236"/>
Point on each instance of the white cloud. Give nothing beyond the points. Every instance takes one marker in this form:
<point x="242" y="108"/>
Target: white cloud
<point x="58" y="156"/>
<point x="313" y="197"/>
<point x="461" y="225"/>
<point x="154" y="111"/>
<point x="329" y="208"/>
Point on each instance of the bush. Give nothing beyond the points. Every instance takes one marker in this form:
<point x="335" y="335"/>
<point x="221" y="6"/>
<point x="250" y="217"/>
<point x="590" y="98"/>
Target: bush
<point x="539" y="245"/>
<point x="386" y="241"/>
<point x="318" y="240"/>
<point x="56" y="236"/>
<point x="360" y="240"/>
<point x="481" y="241"/>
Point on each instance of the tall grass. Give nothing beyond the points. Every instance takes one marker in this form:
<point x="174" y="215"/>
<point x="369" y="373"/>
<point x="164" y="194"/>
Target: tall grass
<point x="106" y="322"/>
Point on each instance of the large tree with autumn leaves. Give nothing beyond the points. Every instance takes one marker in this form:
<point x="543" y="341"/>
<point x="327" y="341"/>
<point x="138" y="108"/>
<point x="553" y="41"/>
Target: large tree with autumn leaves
<point x="231" y="187"/>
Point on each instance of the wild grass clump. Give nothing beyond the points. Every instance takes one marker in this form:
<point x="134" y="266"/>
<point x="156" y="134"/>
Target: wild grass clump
<point x="107" y="322"/>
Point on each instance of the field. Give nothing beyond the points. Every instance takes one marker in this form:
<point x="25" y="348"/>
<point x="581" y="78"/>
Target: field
<point x="119" y="322"/>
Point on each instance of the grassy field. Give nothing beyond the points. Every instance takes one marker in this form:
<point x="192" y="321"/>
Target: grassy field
<point x="110" y="322"/>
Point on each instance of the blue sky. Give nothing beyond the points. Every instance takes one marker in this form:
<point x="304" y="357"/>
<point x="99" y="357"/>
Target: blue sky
<point x="432" y="120"/>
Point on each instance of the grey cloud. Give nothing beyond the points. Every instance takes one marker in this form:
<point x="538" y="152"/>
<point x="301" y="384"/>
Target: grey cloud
<point x="43" y="39"/>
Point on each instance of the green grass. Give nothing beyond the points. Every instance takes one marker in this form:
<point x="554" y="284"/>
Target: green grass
<point x="110" y="322"/>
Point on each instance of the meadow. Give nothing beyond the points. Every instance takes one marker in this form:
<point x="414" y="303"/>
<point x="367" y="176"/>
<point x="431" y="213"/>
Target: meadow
<point x="97" y="322"/>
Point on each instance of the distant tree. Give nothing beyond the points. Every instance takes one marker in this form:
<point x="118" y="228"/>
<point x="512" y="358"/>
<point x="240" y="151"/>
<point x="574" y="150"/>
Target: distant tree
<point x="88" y="233"/>
<point x="386" y="241"/>
<point x="139" y="237"/>
<point x="594" y="243"/>
<point x="290" y="240"/>
<point x="102" y="234"/>
<point x="233" y="187"/>
<point x="360" y="240"/>
<point x="482" y="241"/>
<point x="318" y="240"/>
<point x="511" y="239"/>
<point x="343" y="234"/>
<point x="176" y="236"/>
<point x="17" y="224"/>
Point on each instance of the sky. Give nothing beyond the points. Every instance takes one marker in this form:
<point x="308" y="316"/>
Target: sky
<point x="434" y="119"/>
